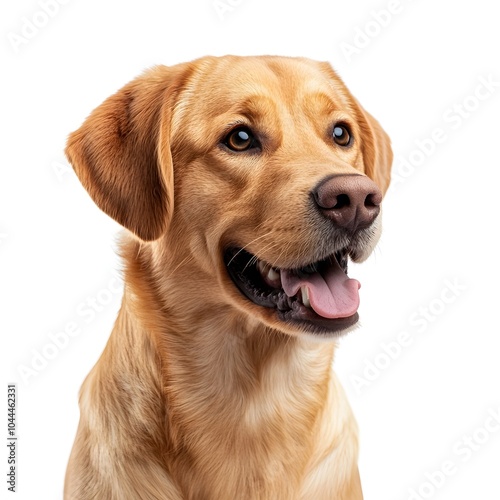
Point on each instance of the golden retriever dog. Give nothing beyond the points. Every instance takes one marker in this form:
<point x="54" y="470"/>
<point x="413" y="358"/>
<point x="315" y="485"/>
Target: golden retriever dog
<point x="244" y="184"/>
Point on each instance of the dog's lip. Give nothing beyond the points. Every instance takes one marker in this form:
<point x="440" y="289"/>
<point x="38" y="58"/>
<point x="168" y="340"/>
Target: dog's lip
<point x="261" y="284"/>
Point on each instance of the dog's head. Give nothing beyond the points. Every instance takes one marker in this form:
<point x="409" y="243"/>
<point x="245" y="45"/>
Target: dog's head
<point x="257" y="178"/>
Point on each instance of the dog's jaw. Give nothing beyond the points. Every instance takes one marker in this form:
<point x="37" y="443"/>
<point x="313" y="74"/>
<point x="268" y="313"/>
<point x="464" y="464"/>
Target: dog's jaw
<point x="296" y="295"/>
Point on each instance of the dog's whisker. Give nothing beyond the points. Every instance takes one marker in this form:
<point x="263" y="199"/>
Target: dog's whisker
<point x="247" y="245"/>
<point x="183" y="262"/>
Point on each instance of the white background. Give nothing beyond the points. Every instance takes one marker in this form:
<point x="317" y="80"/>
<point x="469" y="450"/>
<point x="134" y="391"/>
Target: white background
<point x="57" y="249"/>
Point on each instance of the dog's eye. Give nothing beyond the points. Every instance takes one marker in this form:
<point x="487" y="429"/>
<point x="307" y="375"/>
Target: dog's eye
<point x="341" y="134"/>
<point x="240" y="139"/>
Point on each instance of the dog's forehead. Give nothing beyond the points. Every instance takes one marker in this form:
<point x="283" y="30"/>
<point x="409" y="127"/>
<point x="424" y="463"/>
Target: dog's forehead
<point x="266" y="72"/>
<point x="235" y="78"/>
<point x="223" y="84"/>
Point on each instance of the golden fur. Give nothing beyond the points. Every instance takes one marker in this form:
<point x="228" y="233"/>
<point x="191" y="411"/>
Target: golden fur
<point x="200" y="393"/>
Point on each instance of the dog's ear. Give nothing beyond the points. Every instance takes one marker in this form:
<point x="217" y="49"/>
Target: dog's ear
<point x="376" y="148"/>
<point x="121" y="153"/>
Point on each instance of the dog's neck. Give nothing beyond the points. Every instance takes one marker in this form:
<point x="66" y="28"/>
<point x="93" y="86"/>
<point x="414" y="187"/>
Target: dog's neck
<point x="218" y="374"/>
<point x="216" y="353"/>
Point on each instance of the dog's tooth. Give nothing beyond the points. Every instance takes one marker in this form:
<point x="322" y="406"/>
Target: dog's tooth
<point x="304" y="291"/>
<point x="270" y="275"/>
<point x="263" y="268"/>
<point x="273" y="275"/>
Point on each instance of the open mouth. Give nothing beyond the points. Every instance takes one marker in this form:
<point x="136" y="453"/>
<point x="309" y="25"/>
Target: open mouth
<point x="319" y="297"/>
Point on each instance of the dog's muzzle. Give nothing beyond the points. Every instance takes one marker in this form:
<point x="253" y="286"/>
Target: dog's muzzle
<point x="319" y="296"/>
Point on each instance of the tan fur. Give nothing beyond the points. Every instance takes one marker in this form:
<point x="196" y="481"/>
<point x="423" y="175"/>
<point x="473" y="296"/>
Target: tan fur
<point x="200" y="393"/>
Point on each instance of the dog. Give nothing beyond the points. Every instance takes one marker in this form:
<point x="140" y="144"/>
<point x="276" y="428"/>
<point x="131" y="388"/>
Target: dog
<point x="244" y="185"/>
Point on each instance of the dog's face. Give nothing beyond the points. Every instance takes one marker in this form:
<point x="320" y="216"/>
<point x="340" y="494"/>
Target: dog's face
<point x="257" y="178"/>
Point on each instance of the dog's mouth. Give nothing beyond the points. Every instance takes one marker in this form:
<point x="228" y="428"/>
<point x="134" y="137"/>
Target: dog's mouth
<point x="318" y="298"/>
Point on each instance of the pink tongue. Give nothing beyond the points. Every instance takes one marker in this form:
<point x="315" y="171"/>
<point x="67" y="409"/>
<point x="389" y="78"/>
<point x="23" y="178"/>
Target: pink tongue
<point x="332" y="294"/>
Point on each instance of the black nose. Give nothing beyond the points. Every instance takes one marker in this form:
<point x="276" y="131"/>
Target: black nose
<point x="349" y="201"/>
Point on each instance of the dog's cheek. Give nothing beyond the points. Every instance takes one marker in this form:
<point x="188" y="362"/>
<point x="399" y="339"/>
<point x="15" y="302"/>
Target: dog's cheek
<point x="206" y="210"/>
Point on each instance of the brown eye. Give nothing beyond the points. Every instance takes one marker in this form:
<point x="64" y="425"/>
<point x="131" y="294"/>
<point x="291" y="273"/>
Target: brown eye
<point x="341" y="135"/>
<point x="240" y="139"/>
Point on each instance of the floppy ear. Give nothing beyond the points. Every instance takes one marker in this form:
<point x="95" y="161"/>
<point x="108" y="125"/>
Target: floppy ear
<point x="121" y="153"/>
<point x="376" y="148"/>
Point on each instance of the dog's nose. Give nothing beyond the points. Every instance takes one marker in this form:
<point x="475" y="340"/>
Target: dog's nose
<point x="349" y="201"/>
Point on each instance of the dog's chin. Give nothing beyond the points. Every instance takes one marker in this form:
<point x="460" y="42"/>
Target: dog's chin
<point x="317" y="299"/>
